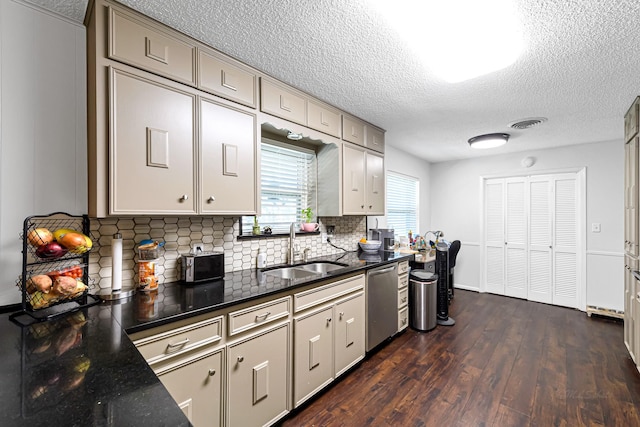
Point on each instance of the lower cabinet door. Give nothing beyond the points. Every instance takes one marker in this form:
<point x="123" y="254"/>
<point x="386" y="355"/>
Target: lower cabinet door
<point x="197" y="388"/>
<point x="349" y="332"/>
<point x="313" y="353"/>
<point x="258" y="369"/>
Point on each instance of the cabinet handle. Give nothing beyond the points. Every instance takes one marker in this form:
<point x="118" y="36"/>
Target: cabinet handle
<point x="211" y="199"/>
<point x="212" y="372"/>
<point x="184" y="198"/>
<point x="240" y="359"/>
<point x="263" y="316"/>
<point x="328" y="319"/>
<point x="404" y="321"/>
<point x="341" y="314"/>
<point x="171" y="346"/>
<point x="404" y="299"/>
<point x="370" y="206"/>
<point x="362" y="206"/>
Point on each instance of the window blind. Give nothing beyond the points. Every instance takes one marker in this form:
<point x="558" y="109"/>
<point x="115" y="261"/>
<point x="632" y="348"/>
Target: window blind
<point x="288" y="185"/>
<point x="402" y="203"/>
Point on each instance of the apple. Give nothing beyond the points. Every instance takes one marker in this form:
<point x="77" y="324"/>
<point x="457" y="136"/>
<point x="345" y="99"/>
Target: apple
<point x="51" y="250"/>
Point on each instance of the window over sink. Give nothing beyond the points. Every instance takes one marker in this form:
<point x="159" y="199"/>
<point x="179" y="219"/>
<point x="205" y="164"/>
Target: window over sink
<point x="288" y="177"/>
<point x="402" y="203"/>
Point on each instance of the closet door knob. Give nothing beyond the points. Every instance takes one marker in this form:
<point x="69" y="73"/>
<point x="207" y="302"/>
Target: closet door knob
<point x="184" y="198"/>
<point x="211" y="199"/>
<point x="212" y="372"/>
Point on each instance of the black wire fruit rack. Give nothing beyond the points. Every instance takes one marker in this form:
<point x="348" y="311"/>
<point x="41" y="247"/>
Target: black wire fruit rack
<point x="44" y="260"/>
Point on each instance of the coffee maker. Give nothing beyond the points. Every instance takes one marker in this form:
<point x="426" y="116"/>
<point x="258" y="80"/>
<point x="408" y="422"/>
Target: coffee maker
<point x="385" y="235"/>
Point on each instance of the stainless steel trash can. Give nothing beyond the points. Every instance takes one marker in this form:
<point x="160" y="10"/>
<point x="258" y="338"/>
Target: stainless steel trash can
<point x="423" y="300"/>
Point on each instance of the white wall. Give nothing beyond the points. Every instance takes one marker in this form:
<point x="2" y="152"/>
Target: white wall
<point x="401" y="162"/>
<point x="455" y="190"/>
<point x="42" y="126"/>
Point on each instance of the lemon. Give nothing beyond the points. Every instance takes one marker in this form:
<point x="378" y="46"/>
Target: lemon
<point x="363" y="240"/>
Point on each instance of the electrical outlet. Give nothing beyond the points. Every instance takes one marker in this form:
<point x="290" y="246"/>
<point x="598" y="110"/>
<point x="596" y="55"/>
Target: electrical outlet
<point x="330" y="230"/>
<point x="595" y="227"/>
<point x="324" y="237"/>
<point x="197" y="247"/>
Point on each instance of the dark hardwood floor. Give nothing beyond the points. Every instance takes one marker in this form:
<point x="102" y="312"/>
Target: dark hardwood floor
<point x="506" y="362"/>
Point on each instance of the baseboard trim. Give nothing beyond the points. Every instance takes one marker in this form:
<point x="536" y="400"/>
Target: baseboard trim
<point x="466" y="287"/>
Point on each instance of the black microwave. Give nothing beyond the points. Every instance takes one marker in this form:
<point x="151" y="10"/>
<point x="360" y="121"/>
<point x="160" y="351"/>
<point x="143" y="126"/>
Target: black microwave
<point x="202" y="267"/>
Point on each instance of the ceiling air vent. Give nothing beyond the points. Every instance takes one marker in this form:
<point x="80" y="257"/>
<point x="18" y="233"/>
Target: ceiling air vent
<point x="527" y="123"/>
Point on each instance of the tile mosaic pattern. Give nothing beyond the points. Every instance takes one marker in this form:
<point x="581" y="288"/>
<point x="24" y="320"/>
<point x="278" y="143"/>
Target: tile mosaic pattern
<point x="216" y="234"/>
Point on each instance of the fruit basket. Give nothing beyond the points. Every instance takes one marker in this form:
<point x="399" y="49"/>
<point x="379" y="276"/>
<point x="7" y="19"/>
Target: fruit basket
<point x="55" y="260"/>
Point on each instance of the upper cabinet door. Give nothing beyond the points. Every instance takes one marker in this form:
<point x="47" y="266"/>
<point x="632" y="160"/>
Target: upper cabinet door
<point x="222" y="77"/>
<point x="631" y="121"/>
<point x="151" y="49"/>
<point x="375" y="184"/>
<point x="323" y="119"/>
<point x="353" y="181"/>
<point x="228" y="156"/>
<point x="353" y="130"/>
<point x="152" y="154"/>
<point x="282" y="102"/>
<point x="375" y="139"/>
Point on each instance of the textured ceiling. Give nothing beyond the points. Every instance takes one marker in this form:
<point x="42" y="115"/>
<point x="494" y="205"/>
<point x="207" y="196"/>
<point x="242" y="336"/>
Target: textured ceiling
<point x="580" y="68"/>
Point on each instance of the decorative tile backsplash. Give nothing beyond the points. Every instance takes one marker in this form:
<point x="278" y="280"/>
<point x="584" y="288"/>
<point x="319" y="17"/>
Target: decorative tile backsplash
<point x="216" y="234"/>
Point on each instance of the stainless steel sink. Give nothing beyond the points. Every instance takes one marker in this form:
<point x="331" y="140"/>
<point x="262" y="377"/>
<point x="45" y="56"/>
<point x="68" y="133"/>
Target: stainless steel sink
<point x="304" y="270"/>
<point x="290" y="272"/>
<point x="322" y="267"/>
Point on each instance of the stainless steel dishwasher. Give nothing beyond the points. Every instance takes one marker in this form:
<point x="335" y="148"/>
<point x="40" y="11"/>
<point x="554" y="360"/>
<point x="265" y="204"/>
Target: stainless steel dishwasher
<point x="382" y="304"/>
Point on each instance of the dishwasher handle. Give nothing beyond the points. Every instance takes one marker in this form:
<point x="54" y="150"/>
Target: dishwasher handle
<point x="381" y="271"/>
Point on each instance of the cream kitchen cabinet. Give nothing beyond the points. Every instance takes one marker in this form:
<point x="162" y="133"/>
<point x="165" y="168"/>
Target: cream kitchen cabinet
<point x="188" y="359"/>
<point x="361" y="133"/>
<point x="630" y="290"/>
<point x="228" y="160"/>
<point x="196" y="386"/>
<point x="363" y="186"/>
<point x="631" y="205"/>
<point x="403" y="294"/>
<point x="282" y="101"/>
<point x="222" y="76"/>
<point x="329" y="334"/>
<point x="147" y="45"/>
<point x="258" y="372"/>
<point x="152" y="147"/>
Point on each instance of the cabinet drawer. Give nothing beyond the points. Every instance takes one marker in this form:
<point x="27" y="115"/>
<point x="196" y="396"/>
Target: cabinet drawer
<point x="403" y="281"/>
<point x="221" y="77"/>
<point x="375" y="139"/>
<point x="403" y="318"/>
<point x="631" y="121"/>
<point x="258" y="315"/>
<point x="353" y="130"/>
<point x="135" y="43"/>
<point x="403" y="297"/>
<point x="403" y="267"/>
<point x="157" y="347"/>
<point x="323" y="119"/>
<point x="282" y="102"/>
<point x="315" y="296"/>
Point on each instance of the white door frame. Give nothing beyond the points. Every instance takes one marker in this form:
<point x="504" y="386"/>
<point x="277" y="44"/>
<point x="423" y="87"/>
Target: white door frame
<point x="581" y="202"/>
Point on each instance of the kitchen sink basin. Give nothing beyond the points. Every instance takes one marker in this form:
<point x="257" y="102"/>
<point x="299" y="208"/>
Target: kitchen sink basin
<point x="322" y="267"/>
<point x="304" y="270"/>
<point x="290" y="273"/>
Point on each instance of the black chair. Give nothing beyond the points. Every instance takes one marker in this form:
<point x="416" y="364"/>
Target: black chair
<point x="453" y="253"/>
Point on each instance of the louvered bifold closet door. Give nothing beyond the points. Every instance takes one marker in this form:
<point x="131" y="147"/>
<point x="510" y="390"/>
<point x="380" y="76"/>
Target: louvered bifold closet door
<point x="494" y="235"/>
<point x="516" y="238"/>
<point x="565" y="240"/>
<point x="540" y="235"/>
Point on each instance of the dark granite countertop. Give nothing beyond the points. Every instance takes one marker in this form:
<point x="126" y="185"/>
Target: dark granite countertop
<point x="82" y="369"/>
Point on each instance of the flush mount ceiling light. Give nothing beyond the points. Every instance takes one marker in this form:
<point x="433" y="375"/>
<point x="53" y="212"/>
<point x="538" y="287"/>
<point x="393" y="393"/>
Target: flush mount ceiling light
<point x="294" y="136"/>
<point x="489" y="140"/>
<point x="457" y="40"/>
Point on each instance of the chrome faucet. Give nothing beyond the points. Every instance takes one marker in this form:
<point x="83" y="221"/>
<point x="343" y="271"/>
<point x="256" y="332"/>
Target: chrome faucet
<point x="292" y="240"/>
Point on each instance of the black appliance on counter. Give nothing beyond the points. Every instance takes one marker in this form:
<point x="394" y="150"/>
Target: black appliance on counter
<point x="442" y="270"/>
